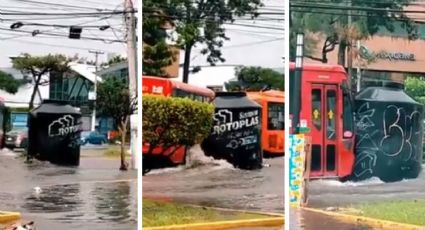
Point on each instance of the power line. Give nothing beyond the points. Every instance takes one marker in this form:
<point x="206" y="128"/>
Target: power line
<point x="341" y="7"/>
<point x="251" y="43"/>
<point x="256" y="26"/>
<point x="358" y="15"/>
<point x="62" y="35"/>
<point x="367" y="2"/>
<point x="52" y="5"/>
<point x="52" y="45"/>
<point x="226" y="23"/>
<point x="21" y="13"/>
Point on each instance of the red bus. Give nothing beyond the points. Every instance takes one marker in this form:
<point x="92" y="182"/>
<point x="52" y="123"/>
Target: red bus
<point x="273" y="121"/>
<point x="170" y="88"/>
<point x="326" y="110"/>
<point x="2" y="123"/>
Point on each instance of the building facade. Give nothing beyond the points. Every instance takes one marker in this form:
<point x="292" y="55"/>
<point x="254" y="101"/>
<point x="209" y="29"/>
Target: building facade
<point x="387" y="55"/>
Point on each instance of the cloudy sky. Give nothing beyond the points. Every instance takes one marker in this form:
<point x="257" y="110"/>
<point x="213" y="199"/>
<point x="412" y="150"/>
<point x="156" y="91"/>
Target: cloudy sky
<point x="55" y="39"/>
<point x="252" y="45"/>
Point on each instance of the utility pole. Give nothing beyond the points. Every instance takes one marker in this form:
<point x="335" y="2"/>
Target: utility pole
<point x="349" y="47"/>
<point x="93" y="118"/>
<point x="359" y="73"/>
<point x="132" y="75"/>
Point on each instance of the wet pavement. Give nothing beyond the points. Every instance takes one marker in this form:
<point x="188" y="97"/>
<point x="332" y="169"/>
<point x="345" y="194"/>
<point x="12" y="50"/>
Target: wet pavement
<point x="216" y="183"/>
<point x="332" y="193"/>
<point x="306" y="220"/>
<point x="95" y="195"/>
<point x="325" y="193"/>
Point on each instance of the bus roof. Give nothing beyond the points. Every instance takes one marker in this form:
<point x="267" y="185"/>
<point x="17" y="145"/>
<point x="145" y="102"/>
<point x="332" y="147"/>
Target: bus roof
<point x="183" y="86"/>
<point x="271" y="95"/>
<point x="319" y="67"/>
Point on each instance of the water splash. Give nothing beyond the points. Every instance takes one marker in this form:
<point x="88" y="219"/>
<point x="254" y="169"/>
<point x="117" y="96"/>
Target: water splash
<point x="197" y="158"/>
<point x="336" y="183"/>
<point x="8" y="152"/>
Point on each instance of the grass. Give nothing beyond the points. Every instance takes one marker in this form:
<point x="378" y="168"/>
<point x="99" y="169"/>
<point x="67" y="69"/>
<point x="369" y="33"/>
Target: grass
<point x="409" y="212"/>
<point x="160" y="213"/>
<point x="114" y="151"/>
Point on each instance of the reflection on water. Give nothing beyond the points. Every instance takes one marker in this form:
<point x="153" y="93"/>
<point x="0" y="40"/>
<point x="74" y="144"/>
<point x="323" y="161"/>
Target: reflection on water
<point x="95" y="195"/>
<point x="58" y="198"/>
<point x="306" y="220"/>
<point x="113" y="203"/>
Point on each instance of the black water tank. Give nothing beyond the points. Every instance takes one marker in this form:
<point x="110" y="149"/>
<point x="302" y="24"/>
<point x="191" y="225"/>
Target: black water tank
<point x="236" y="133"/>
<point x="389" y="134"/>
<point x="54" y="133"/>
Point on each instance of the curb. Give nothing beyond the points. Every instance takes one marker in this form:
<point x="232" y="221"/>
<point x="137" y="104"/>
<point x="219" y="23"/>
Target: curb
<point x="9" y="216"/>
<point x="278" y="215"/>
<point x="376" y="223"/>
<point x="261" y="222"/>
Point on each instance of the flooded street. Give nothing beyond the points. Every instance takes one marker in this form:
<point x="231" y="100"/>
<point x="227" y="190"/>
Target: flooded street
<point x="325" y="193"/>
<point x="216" y="183"/>
<point x="306" y="220"/>
<point x="95" y="195"/>
<point x="332" y="193"/>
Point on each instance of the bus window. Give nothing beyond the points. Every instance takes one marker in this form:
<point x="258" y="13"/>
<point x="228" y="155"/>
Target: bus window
<point x="331" y="112"/>
<point x="347" y="116"/>
<point x="316" y="95"/>
<point x="276" y="119"/>
<point x="180" y="93"/>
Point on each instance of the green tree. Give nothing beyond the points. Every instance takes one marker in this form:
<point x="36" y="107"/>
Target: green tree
<point x="113" y="100"/>
<point x="156" y="53"/>
<point x="8" y="83"/>
<point x="256" y="78"/>
<point x="309" y="17"/>
<point x="114" y="60"/>
<point x="200" y="22"/>
<point x="415" y="87"/>
<point x="38" y="66"/>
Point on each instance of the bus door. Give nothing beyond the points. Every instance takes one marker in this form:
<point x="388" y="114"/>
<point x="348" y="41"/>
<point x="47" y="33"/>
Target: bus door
<point x="324" y="110"/>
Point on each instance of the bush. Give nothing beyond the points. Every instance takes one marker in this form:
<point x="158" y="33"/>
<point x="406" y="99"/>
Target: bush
<point x="171" y="121"/>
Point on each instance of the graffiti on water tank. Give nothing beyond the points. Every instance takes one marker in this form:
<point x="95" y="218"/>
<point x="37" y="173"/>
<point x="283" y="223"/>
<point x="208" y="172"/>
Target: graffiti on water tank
<point x="385" y="135"/>
<point x="63" y="126"/>
<point x="395" y="119"/>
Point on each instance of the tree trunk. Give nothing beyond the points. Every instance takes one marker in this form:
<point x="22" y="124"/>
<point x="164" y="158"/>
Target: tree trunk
<point x="186" y="64"/>
<point x="123" y="130"/>
<point x="34" y="92"/>
<point x="341" y="52"/>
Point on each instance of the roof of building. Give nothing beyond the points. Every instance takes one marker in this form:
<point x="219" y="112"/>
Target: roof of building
<point x="86" y="71"/>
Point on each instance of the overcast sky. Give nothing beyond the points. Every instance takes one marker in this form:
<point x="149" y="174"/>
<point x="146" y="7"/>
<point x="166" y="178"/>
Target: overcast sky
<point x="247" y="45"/>
<point x="14" y="43"/>
<point x="251" y="45"/>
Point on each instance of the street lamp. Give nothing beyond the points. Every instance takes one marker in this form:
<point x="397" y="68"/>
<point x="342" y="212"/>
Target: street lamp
<point x="297" y="83"/>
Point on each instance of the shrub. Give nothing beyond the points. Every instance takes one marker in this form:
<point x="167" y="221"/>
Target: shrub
<point x="171" y="121"/>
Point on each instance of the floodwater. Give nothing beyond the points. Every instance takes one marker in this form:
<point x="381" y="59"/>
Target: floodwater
<point x="209" y="182"/>
<point x="332" y="193"/>
<point x="325" y="193"/>
<point x="95" y="195"/>
<point x="306" y="220"/>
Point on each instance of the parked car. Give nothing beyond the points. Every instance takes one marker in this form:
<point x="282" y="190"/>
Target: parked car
<point x="93" y="137"/>
<point x="17" y="138"/>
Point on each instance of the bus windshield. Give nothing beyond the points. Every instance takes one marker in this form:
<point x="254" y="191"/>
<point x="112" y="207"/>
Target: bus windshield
<point x="276" y="113"/>
<point x="348" y="115"/>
